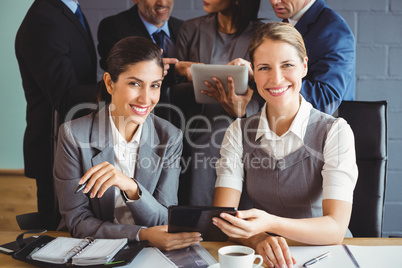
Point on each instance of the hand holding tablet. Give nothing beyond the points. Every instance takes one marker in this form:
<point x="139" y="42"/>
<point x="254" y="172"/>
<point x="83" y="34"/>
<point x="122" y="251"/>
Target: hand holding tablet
<point x="198" y="219"/>
<point x="204" y="72"/>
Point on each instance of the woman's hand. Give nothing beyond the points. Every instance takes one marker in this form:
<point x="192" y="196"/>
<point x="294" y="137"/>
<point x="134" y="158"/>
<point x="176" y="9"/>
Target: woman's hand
<point x="274" y="250"/>
<point x="245" y="224"/>
<point x="183" y="68"/>
<point x="160" y="238"/>
<point x="234" y="105"/>
<point x="243" y="62"/>
<point x="166" y="64"/>
<point x="103" y="176"/>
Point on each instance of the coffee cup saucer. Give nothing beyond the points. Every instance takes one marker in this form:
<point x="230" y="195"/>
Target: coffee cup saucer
<point x="216" y="265"/>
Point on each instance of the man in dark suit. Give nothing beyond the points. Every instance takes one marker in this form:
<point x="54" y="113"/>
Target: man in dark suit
<point x="57" y="61"/>
<point x="147" y="18"/>
<point x="331" y="51"/>
<point x="143" y="19"/>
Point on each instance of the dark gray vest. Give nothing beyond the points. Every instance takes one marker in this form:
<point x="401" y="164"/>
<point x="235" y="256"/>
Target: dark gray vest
<point x="292" y="186"/>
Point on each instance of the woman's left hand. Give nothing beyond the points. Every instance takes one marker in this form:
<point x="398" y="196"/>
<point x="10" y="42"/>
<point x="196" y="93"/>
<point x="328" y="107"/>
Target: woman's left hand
<point x="234" y="105"/>
<point x="103" y="176"/>
<point x="275" y="251"/>
<point x="245" y="224"/>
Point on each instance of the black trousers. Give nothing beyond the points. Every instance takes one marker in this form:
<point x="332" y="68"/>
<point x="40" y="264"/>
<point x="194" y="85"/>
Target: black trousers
<point x="47" y="203"/>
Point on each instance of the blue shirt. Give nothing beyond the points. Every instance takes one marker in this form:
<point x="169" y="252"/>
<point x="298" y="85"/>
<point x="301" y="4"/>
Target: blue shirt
<point x="71" y="4"/>
<point x="152" y="28"/>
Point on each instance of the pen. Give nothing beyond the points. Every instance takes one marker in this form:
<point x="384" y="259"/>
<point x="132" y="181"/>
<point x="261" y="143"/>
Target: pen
<point x="115" y="262"/>
<point x="316" y="259"/>
<point x="80" y="187"/>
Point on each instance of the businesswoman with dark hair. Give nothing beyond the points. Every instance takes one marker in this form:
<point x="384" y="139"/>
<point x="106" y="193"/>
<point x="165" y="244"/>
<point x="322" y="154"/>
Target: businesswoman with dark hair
<point x="128" y="158"/>
<point x="296" y="164"/>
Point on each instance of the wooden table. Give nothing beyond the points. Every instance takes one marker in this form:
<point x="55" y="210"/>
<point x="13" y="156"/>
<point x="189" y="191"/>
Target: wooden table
<point x="212" y="247"/>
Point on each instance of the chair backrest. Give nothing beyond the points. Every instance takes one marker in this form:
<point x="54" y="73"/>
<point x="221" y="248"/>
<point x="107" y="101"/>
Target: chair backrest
<point x="368" y="121"/>
<point x="29" y="221"/>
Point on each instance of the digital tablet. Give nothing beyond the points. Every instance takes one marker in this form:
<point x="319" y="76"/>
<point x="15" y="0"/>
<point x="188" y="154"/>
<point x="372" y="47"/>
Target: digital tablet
<point x="205" y="72"/>
<point x="197" y="219"/>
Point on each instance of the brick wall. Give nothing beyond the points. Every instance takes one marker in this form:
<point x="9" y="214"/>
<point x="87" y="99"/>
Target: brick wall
<point x="376" y="25"/>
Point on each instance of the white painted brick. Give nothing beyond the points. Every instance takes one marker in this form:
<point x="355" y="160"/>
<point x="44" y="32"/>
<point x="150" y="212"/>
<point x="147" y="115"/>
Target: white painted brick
<point x="394" y="186"/>
<point x="371" y="61"/>
<point x="379" y="28"/>
<point x="395" y="156"/>
<point x="358" y="5"/>
<point x="106" y="4"/>
<point x="395" y="61"/>
<point x="396" y="6"/>
<point x="392" y="217"/>
<point x="395" y="126"/>
<point x="199" y="5"/>
<point x="381" y="89"/>
<point x="183" y="5"/>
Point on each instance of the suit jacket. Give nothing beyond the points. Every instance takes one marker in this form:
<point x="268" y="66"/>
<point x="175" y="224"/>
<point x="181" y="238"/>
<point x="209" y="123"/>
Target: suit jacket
<point x="197" y="38"/>
<point x="57" y="61"/>
<point x="331" y="51"/>
<point x="88" y="141"/>
<point x="126" y="23"/>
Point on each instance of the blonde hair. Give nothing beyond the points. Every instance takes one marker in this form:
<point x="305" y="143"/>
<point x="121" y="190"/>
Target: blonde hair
<point x="277" y="31"/>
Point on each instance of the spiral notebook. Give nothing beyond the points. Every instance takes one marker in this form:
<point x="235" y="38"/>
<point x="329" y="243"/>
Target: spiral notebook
<point x="86" y="251"/>
<point x="123" y="257"/>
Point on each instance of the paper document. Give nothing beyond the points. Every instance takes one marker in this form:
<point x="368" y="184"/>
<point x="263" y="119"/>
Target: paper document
<point x="366" y="256"/>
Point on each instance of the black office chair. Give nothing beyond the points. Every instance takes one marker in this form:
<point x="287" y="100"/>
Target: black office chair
<point x="29" y="221"/>
<point x="368" y="121"/>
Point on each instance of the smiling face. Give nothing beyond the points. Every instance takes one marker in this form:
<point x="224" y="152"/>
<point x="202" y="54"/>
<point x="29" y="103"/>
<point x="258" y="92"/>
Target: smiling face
<point x="156" y="12"/>
<point x="134" y="94"/>
<point x="285" y="9"/>
<point x="213" y="6"/>
<point x="278" y="73"/>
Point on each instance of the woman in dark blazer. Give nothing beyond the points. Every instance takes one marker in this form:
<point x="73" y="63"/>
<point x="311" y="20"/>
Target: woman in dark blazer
<point x="128" y="157"/>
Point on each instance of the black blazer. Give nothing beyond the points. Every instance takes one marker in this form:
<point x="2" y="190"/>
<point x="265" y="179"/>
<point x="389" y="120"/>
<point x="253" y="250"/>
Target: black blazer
<point x="57" y="61"/>
<point x="126" y="23"/>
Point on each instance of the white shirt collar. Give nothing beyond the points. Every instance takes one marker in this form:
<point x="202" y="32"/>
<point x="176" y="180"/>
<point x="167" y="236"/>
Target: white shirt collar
<point x="298" y="126"/>
<point x="71" y="4"/>
<point x="118" y="138"/>
<point x="293" y="20"/>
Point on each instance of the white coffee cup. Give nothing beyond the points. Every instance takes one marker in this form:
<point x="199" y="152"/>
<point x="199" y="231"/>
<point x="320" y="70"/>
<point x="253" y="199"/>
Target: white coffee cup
<point x="238" y="257"/>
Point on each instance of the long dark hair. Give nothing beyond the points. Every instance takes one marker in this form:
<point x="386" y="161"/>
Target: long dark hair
<point x="244" y="12"/>
<point x="128" y="51"/>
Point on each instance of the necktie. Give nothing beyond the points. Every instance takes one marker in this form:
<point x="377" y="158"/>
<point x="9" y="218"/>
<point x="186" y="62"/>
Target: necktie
<point x="79" y="15"/>
<point x="159" y="38"/>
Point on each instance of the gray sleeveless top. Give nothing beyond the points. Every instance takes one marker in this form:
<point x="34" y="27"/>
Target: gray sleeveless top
<point x="292" y="186"/>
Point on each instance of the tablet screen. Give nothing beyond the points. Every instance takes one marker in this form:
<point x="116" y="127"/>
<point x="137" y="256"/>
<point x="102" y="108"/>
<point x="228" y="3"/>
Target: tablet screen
<point x="205" y="72"/>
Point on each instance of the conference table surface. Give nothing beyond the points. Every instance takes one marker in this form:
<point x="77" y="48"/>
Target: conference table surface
<point x="212" y="247"/>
